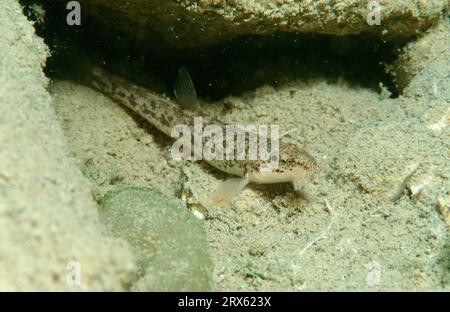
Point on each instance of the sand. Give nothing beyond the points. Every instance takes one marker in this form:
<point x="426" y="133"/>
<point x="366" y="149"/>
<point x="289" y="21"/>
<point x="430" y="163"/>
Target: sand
<point x="359" y="227"/>
<point x="50" y="235"/>
<point x="369" y="220"/>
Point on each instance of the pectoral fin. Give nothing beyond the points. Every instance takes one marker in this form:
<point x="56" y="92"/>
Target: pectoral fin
<point x="300" y="185"/>
<point x="225" y="192"/>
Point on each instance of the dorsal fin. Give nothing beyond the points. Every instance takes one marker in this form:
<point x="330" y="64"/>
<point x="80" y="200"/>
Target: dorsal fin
<point x="184" y="90"/>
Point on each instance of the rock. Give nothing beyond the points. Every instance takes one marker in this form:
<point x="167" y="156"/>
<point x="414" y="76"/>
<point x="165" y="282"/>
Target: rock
<point x="199" y="23"/>
<point x="168" y="241"/>
<point x="50" y="235"/>
<point x="422" y="67"/>
<point x="382" y="159"/>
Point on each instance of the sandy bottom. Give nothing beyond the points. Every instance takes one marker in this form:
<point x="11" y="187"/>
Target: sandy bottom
<point x="375" y="217"/>
<point x="369" y="221"/>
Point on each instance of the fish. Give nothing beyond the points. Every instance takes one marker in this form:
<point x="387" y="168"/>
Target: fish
<point x="294" y="164"/>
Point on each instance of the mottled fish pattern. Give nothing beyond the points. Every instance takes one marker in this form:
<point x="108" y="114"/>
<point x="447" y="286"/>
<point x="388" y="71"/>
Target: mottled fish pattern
<point x="295" y="165"/>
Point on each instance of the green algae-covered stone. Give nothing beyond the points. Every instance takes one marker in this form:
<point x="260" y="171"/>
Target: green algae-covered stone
<point x="169" y="243"/>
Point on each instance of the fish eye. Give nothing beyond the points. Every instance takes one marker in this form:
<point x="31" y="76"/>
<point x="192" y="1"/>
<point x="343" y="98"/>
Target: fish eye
<point x="274" y="157"/>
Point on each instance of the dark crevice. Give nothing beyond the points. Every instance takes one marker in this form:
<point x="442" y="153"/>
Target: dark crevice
<point x="230" y="68"/>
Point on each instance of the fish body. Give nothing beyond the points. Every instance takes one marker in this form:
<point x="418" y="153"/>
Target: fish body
<point x="294" y="165"/>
